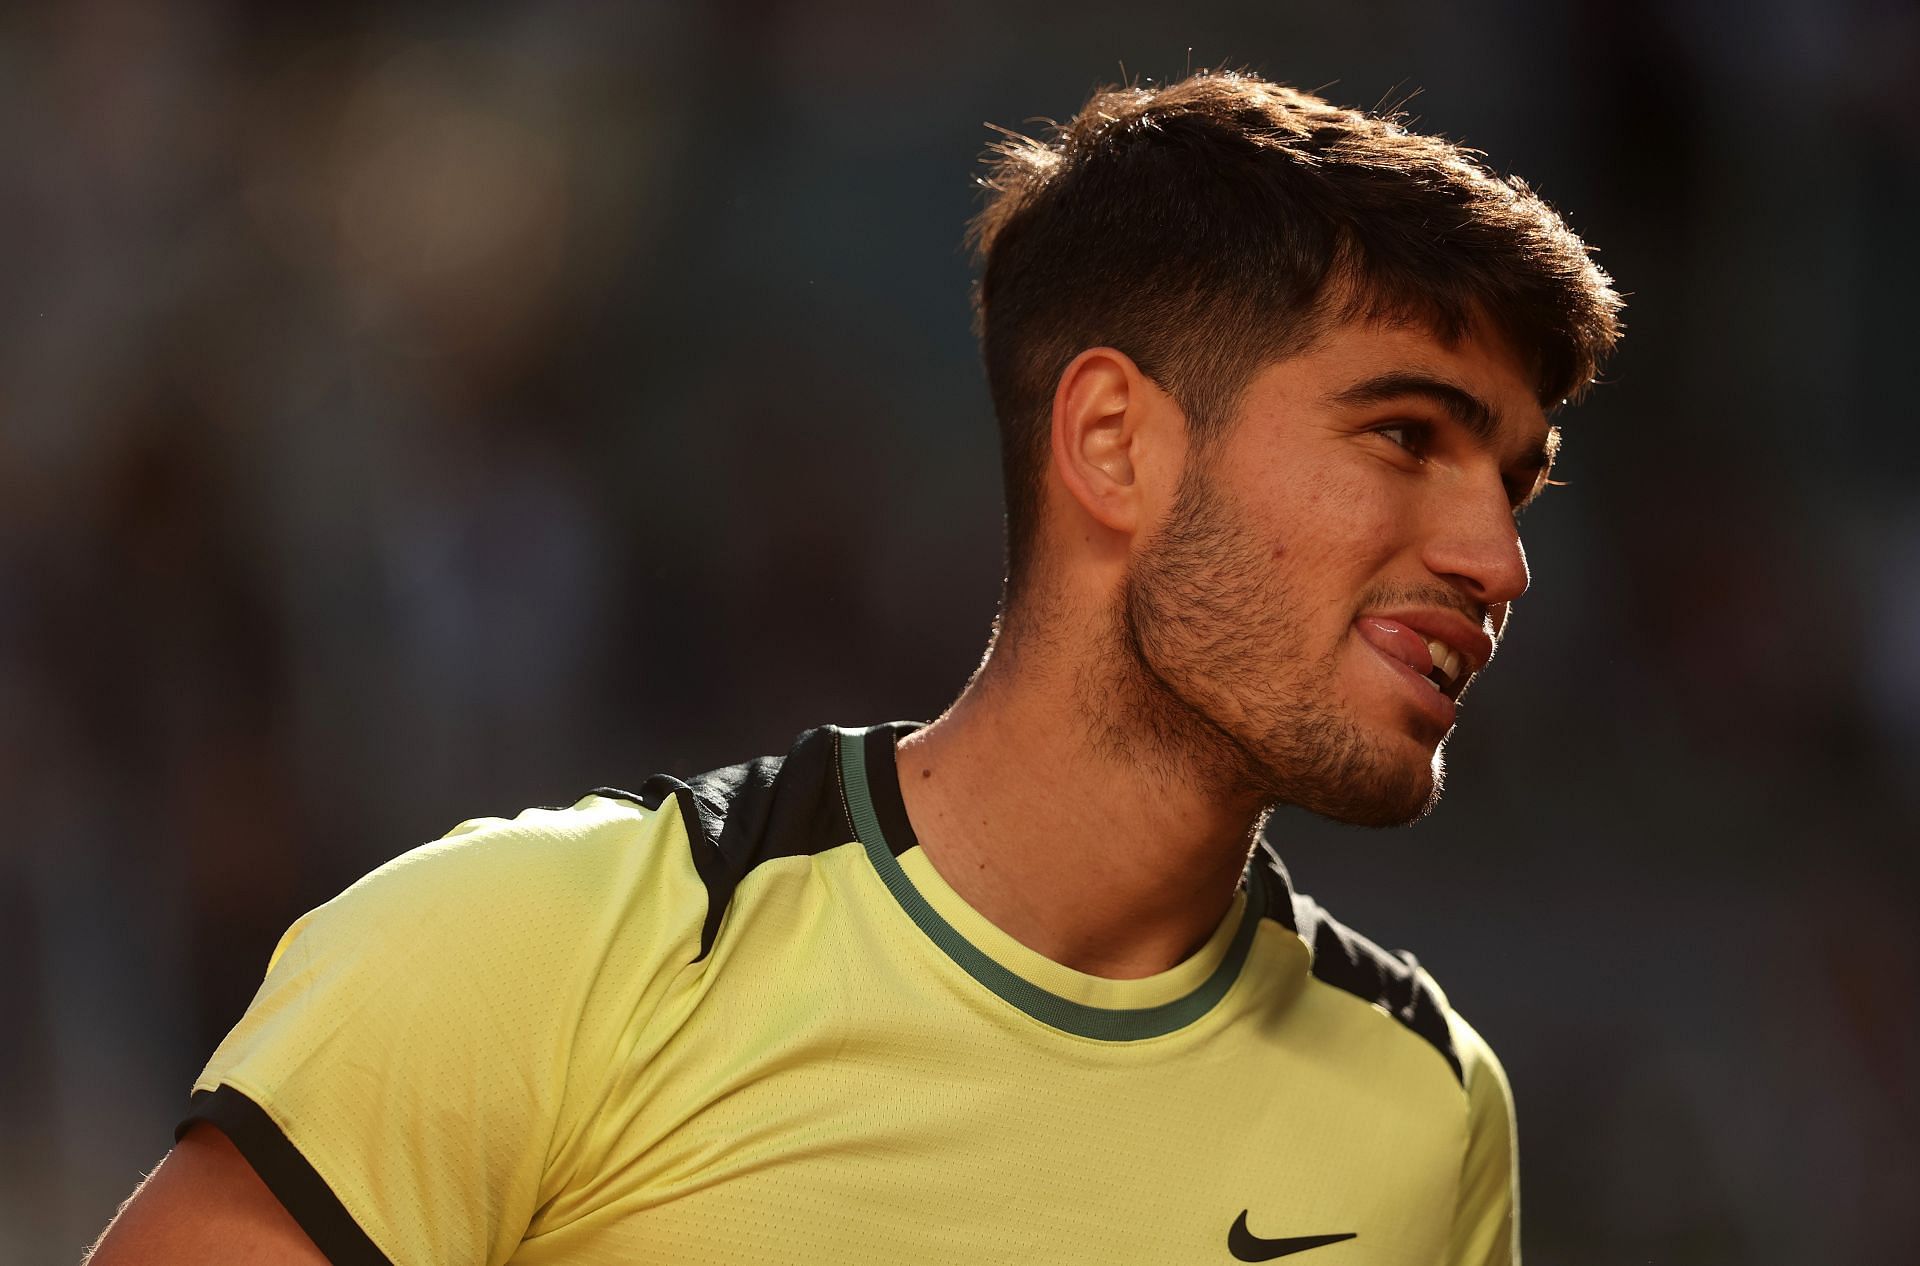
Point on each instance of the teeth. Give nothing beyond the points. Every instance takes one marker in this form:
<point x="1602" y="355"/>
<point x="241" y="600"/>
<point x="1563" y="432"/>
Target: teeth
<point x="1446" y="659"/>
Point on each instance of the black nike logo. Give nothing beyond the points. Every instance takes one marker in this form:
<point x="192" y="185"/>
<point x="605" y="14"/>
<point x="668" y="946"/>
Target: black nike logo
<point x="1248" y="1247"/>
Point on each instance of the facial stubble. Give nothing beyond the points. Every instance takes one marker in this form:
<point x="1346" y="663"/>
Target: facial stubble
<point x="1212" y="680"/>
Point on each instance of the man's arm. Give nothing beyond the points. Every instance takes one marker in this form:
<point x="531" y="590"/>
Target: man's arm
<point x="394" y="1089"/>
<point x="203" y="1204"/>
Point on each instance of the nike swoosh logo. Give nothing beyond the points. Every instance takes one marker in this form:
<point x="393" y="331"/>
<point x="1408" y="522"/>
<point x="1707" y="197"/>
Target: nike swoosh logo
<point x="1248" y="1247"/>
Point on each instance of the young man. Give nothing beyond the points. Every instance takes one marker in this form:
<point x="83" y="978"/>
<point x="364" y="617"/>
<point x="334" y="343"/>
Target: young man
<point x="1272" y="379"/>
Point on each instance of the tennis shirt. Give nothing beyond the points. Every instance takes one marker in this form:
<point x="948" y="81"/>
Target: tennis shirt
<point x="741" y="1019"/>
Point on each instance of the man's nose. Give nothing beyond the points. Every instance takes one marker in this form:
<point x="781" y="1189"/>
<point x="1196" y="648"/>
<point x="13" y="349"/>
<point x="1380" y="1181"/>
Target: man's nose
<point x="1474" y="544"/>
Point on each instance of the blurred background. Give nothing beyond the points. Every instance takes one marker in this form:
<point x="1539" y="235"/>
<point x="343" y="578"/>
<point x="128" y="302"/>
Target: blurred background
<point x="413" y="414"/>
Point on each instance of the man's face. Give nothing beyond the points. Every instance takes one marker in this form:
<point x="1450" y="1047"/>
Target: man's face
<point x="1343" y="544"/>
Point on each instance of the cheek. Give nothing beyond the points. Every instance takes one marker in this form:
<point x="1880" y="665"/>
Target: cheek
<point x="1341" y="524"/>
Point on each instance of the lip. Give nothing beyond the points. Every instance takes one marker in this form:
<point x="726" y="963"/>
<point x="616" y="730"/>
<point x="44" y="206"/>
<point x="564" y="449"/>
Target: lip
<point x="1446" y="626"/>
<point x="1430" y="703"/>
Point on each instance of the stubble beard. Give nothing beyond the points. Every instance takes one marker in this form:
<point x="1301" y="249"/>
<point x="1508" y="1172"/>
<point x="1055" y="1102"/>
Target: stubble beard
<point x="1183" y="695"/>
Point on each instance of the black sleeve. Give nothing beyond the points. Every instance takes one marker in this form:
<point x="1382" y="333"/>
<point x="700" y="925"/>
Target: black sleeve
<point x="292" y="1181"/>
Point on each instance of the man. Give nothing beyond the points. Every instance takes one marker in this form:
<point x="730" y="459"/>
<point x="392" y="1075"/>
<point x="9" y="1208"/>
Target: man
<point x="1273" y="381"/>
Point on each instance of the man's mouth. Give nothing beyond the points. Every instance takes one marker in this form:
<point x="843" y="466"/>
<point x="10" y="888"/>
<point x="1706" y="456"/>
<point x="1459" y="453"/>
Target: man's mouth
<point x="1434" y="658"/>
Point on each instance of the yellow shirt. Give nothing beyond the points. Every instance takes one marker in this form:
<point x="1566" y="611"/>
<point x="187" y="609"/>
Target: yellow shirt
<point x="741" y="1019"/>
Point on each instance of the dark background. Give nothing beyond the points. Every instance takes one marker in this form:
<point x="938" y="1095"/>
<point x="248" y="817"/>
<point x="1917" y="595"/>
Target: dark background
<point x="407" y="415"/>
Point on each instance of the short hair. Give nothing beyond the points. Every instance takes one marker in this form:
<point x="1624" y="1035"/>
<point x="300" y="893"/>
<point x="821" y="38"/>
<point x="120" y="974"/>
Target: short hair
<point x="1210" y="227"/>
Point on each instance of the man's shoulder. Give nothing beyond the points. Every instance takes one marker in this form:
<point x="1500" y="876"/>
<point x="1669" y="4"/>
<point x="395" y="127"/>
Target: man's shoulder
<point x="665" y="847"/>
<point x="740" y="817"/>
<point x="771" y="806"/>
<point x="539" y="848"/>
<point x="495" y="889"/>
<point x="1344" y="959"/>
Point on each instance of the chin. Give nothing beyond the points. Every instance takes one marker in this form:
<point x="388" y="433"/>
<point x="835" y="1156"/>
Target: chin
<point x="1368" y="788"/>
<point x="1404" y="810"/>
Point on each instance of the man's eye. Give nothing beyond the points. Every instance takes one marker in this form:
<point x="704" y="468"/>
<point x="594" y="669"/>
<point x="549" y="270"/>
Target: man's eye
<point x="1525" y="493"/>
<point x="1408" y="435"/>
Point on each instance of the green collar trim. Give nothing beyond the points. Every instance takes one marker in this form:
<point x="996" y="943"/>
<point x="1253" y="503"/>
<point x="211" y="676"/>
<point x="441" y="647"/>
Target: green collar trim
<point x="1101" y="1023"/>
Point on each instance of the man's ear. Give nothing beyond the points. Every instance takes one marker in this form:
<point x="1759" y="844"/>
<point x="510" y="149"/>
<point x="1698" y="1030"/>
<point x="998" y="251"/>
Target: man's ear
<point x="1111" y="438"/>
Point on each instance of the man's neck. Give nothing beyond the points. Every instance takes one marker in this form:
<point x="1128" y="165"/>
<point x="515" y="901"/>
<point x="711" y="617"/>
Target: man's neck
<point x="1099" y="859"/>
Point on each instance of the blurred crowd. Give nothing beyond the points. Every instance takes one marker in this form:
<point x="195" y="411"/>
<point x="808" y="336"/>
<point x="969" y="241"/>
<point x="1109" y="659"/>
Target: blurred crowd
<point x="413" y="414"/>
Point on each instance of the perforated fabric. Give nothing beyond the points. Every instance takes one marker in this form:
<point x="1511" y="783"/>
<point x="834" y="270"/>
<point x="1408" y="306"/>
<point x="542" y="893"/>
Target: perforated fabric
<point x="508" y="1046"/>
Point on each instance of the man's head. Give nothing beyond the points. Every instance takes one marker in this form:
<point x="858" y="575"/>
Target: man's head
<point x="1211" y="226"/>
<point x="1351" y="335"/>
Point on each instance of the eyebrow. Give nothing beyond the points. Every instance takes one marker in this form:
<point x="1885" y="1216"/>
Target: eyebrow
<point x="1468" y="411"/>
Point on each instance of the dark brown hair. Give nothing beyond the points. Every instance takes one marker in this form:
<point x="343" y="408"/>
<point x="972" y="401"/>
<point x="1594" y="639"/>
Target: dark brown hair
<point x="1209" y="227"/>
